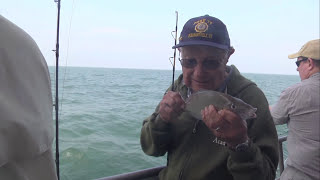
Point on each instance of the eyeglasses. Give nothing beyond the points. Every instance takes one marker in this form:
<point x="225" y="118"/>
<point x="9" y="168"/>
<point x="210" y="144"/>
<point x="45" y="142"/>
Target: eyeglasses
<point x="208" y="64"/>
<point x="299" y="61"/>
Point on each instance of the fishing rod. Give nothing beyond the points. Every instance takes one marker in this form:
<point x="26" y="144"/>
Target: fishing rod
<point x="175" y="50"/>
<point x="57" y="91"/>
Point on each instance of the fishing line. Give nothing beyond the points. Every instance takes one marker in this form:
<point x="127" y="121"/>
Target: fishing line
<point x="67" y="56"/>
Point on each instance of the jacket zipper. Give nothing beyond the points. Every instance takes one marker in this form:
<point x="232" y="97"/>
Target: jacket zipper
<point x="194" y="131"/>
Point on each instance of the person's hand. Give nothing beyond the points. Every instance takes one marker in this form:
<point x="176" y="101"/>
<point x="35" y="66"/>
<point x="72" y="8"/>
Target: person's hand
<point x="171" y="106"/>
<point x="226" y="125"/>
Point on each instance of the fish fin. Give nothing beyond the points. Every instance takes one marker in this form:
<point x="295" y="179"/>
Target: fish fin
<point x="184" y="99"/>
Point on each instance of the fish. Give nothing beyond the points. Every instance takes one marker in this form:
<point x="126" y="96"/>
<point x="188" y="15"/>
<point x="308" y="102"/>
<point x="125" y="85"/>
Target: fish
<point x="199" y="100"/>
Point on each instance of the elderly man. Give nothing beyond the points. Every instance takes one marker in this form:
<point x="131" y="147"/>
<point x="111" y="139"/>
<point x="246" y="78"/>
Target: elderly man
<point x="26" y="129"/>
<point x="299" y="106"/>
<point x="222" y="145"/>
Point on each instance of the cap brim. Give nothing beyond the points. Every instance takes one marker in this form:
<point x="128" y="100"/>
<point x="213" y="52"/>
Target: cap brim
<point x="204" y="43"/>
<point x="293" y="56"/>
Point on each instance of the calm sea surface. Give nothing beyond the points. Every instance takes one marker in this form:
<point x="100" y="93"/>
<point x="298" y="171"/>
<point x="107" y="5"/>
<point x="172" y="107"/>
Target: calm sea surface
<point x="101" y="113"/>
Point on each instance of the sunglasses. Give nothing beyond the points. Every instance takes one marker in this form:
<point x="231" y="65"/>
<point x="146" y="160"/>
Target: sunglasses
<point x="299" y="61"/>
<point x="208" y="64"/>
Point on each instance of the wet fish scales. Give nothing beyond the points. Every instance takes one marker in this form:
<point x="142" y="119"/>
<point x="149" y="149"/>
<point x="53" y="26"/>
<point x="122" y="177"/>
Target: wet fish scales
<point x="199" y="100"/>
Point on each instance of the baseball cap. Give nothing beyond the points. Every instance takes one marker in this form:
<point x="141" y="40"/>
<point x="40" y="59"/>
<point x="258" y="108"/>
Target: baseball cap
<point x="204" y="30"/>
<point x="310" y="50"/>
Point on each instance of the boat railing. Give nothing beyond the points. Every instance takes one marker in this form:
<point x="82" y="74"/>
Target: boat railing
<point x="151" y="173"/>
<point x="144" y="174"/>
<point x="281" y="159"/>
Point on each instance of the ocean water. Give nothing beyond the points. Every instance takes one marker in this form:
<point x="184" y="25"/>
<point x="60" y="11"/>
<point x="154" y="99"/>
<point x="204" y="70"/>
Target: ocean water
<point x="101" y="114"/>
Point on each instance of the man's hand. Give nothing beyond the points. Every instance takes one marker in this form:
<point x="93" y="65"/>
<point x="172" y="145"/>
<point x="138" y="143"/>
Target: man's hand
<point x="171" y="106"/>
<point x="225" y="124"/>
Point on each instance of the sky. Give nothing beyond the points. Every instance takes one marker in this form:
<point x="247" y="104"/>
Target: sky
<point x="137" y="33"/>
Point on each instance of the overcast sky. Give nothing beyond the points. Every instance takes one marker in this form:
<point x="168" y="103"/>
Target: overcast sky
<point x="137" y="33"/>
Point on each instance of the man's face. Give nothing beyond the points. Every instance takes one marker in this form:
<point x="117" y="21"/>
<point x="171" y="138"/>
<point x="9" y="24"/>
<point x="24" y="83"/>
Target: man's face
<point x="303" y="68"/>
<point x="203" y="67"/>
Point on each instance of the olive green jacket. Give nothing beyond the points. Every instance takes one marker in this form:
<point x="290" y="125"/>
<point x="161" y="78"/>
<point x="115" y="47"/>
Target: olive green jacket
<point x="193" y="151"/>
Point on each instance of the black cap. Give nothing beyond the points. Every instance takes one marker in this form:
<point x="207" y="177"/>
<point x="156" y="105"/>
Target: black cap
<point x="204" y="30"/>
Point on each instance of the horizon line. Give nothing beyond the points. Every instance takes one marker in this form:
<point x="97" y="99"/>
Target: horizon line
<point x="162" y="69"/>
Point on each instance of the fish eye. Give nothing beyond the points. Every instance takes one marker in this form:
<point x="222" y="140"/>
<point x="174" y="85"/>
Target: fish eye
<point x="233" y="106"/>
